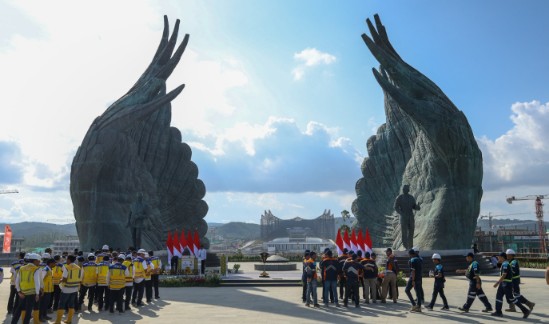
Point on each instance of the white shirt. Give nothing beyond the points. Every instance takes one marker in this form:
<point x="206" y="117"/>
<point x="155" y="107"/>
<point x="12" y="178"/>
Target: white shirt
<point x="37" y="281"/>
<point x="202" y="254"/>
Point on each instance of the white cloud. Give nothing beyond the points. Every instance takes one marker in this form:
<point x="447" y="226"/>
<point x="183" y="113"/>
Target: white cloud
<point x="309" y="58"/>
<point x="278" y="157"/>
<point x="521" y="155"/>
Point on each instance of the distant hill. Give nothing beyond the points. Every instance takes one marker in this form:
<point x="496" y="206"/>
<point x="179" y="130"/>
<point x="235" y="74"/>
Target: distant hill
<point x="37" y="234"/>
<point x="237" y="230"/>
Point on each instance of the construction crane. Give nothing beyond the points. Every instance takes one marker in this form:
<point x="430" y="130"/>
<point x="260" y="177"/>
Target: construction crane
<point x="8" y="191"/>
<point x="539" y="215"/>
<point x="490" y="216"/>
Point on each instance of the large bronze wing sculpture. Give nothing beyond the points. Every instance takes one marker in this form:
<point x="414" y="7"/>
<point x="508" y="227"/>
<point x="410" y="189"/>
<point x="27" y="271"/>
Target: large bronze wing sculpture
<point x="131" y="150"/>
<point x="426" y="142"/>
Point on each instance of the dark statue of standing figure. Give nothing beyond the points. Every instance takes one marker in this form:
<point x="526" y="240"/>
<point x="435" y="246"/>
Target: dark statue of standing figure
<point x="138" y="219"/>
<point x="405" y="204"/>
<point x="132" y="148"/>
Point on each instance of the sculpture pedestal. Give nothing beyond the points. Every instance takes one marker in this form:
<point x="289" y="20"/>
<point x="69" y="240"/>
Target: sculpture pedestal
<point x="452" y="260"/>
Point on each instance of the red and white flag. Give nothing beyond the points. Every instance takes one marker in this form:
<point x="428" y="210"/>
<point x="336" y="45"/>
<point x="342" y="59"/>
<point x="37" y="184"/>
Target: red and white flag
<point x="169" y="246"/>
<point x="176" y="245"/>
<point x="190" y="243"/>
<point x="339" y="243"/>
<point x="346" y="241"/>
<point x="354" y="246"/>
<point x="368" y="242"/>
<point x="360" y="242"/>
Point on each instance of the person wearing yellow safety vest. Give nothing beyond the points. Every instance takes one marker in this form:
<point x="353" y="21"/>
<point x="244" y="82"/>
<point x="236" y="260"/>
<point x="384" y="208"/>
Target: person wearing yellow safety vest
<point x="70" y="283"/>
<point x="13" y="300"/>
<point x="148" y="277"/>
<point x="57" y="275"/>
<point x="157" y="263"/>
<point x="116" y="278"/>
<point x="102" y="289"/>
<point x="128" y="287"/>
<point x="139" y="272"/>
<point x="28" y="284"/>
<point x="47" y="288"/>
<point x="89" y="281"/>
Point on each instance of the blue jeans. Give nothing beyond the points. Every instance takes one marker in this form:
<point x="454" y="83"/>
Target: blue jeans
<point x="330" y="285"/>
<point x="311" y="289"/>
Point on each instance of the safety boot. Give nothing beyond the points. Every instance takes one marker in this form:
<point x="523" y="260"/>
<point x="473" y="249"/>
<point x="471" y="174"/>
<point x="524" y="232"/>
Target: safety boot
<point x="511" y="308"/>
<point x="69" y="316"/>
<point x="60" y="313"/>
<point x="36" y="317"/>
<point x="530" y="305"/>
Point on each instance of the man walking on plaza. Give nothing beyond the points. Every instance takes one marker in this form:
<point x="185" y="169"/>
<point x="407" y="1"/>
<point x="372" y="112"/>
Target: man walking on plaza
<point x="415" y="281"/>
<point x="515" y="268"/>
<point x="505" y="288"/>
<point x="475" y="285"/>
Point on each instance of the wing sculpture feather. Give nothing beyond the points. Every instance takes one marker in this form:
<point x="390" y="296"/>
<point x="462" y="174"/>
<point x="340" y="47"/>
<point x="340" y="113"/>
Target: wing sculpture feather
<point x="427" y="143"/>
<point x="132" y="149"/>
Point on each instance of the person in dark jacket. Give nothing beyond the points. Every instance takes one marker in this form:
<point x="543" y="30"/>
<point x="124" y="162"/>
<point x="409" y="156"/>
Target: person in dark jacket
<point x="351" y="269"/>
<point x="330" y="268"/>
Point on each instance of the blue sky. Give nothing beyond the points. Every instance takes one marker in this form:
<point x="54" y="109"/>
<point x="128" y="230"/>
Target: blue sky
<point x="279" y="98"/>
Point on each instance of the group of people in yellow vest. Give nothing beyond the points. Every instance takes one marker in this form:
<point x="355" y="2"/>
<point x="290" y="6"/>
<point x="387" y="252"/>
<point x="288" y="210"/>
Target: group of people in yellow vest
<point x="41" y="284"/>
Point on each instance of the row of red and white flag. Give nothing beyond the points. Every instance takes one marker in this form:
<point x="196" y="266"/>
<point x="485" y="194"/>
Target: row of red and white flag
<point x="353" y="242"/>
<point x="177" y="244"/>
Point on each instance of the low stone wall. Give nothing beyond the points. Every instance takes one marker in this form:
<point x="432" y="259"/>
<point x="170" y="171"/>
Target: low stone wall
<point x="275" y="266"/>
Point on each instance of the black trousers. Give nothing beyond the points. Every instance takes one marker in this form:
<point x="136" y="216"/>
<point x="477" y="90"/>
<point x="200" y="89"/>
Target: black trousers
<point x="473" y="292"/>
<point x="44" y="304"/>
<point x="27" y="304"/>
<point x="137" y="296"/>
<point x="417" y="288"/>
<point x="154" y="279"/>
<point x="438" y="290"/>
<point x="56" y="295"/>
<point x="304" y="283"/>
<point x="342" y="284"/>
<point x="102" y="293"/>
<point x="148" y="290"/>
<point x="506" y="289"/>
<point x="82" y="294"/>
<point x="13" y="299"/>
<point x="516" y="292"/>
<point x="128" y="298"/>
<point x="115" y="297"/>
<point x="352" y="288"/>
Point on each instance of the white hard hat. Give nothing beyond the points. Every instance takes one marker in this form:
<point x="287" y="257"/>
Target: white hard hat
<point x="510" y="251"/>
<point x="91" y="255"/>
<point x="436" y="256"/>
<point x="105" y="247"/>
<point x="146" y="255"/>
<point x="416" y="249"/>
<point x="121" y="256"/>
<point x="32" y="256"/>
<point x="141" y="251"/>
<point x="46" y="255"/>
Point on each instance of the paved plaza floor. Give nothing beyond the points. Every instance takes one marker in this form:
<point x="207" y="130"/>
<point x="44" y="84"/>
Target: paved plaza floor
<point x="283" y="305"/>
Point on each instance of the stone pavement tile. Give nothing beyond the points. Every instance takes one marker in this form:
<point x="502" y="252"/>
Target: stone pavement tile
<point x="283" y="305"/>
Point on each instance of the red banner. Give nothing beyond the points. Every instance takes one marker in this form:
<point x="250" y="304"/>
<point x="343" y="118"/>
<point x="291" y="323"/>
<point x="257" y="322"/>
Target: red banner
<point x="7" y="239"/>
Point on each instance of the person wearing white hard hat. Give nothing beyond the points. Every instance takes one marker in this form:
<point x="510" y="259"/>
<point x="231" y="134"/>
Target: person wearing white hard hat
<point x="28" y="284"/>
<point x="505" y="288"/>
<point x="89" y="282"/>
<point x="515" y="268"/>
<point x="438" y="288"/>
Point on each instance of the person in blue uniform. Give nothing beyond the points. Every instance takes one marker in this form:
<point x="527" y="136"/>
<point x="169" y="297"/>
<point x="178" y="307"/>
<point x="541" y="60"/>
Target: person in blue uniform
<point x="414" y="281"/>
<point x="438" y="274"/>
<point x="505" y="288"/>
<point x="515" y="268"/>
<point x="475" y="285"/>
